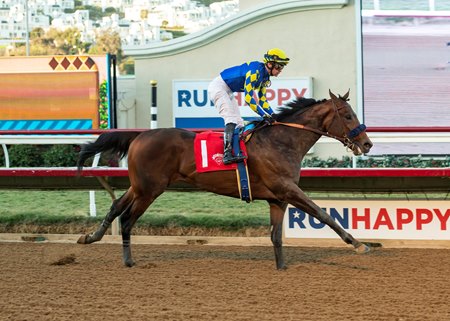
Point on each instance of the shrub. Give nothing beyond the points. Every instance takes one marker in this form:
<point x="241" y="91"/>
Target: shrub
<point x="327" y="163"/>
<point x="60" y="156"/>
<point x="393" y="161"/>
<point x="24" y="156"/>
<point x="66" y="156"/>
<point x="103" y="106"/>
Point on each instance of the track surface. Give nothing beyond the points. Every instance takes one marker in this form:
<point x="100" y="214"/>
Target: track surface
<point x="49" y="281"/>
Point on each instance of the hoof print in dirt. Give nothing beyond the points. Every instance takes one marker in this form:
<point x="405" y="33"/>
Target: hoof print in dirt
<point x="197" y="242"/>
<point x="33" y="238"/>
<point x="69" y="259"/>
<point x="148" y="266"/>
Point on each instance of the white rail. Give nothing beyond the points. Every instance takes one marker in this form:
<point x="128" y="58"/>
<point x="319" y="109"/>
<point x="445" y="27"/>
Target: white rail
<point x="431" y="5"/>
<point x="405" y="13"/>
<point x="378" y="12"/>
<point x="50" y="140"/>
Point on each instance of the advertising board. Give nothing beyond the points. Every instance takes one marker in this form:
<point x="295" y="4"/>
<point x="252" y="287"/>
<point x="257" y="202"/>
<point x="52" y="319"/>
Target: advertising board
<point x="51" y="92"/>
<point x="374" y="219"/>
<point x="192" y="108"/>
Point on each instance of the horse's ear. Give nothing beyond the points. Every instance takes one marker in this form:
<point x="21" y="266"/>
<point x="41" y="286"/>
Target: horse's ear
<point x="345" y="97"/>
<point x="333" y="96"/>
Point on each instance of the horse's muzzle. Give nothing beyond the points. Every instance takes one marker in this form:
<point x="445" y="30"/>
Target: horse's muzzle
<point x="358" y="141"/>
<point x="361" y="145"/>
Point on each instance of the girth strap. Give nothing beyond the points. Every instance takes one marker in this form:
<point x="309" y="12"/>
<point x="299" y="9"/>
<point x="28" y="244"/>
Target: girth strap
<point x="243" y="180"/>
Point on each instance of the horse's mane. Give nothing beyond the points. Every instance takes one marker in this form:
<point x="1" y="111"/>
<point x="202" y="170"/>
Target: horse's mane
<point x="300" y="104"/>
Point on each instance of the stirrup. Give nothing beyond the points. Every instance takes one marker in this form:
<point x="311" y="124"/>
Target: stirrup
<point x="233" y="159"/>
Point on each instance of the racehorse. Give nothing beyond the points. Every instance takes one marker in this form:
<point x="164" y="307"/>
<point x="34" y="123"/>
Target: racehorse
<point x="160" y="157"/>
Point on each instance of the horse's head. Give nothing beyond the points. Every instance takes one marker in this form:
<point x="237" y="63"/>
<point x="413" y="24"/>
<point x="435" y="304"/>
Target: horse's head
<point x="333" y="118"/>
<point x="344" y="125"/>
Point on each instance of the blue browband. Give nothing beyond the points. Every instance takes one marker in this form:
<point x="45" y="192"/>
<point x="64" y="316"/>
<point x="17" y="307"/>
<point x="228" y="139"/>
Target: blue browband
<point x="358" y="130"/>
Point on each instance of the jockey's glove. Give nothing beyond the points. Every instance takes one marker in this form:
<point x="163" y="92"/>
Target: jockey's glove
<point x="268" y="119"/>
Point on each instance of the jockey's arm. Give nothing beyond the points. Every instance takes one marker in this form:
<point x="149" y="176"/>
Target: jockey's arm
<point x="263" y="103"/>
<point x="263" y="108"/>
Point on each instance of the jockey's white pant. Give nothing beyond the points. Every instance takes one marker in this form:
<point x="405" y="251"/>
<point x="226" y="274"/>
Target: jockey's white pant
<point x="226" y="104"/>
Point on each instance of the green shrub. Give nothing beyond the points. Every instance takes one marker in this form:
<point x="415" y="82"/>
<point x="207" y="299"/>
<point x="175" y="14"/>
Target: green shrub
<point x="327" y="163"/>
<point x="60" y="156"/>
<point x="24" y="156"/>
<point x="103" y="106"/>
<point x="392" y="161"/>
<point x="66" y="156"/>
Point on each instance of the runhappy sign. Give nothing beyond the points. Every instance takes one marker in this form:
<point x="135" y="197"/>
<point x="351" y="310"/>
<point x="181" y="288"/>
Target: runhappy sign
<point x="374" y="219"/>
<point x="192" y="107"/>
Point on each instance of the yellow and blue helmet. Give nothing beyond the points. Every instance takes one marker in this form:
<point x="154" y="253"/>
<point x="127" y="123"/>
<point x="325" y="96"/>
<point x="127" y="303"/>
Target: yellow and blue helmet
<point x="276" y="55"/>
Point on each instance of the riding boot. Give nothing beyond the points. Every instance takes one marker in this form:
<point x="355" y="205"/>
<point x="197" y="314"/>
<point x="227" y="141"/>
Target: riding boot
<point x="228" y="156"/>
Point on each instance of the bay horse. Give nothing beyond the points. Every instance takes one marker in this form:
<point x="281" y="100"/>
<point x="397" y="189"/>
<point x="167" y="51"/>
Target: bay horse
<point x="160" y="157"/>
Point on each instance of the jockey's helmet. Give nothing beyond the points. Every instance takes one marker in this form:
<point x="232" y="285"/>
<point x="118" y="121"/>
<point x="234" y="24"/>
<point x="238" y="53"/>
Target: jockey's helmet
<point x="276" y="55"/>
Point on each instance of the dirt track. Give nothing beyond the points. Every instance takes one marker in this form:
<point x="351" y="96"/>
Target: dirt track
<point x="45" y="281"/>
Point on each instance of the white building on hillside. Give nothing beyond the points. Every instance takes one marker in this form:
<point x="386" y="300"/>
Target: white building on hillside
<point x="145" y="21"/>
<point x="79" y="19"/>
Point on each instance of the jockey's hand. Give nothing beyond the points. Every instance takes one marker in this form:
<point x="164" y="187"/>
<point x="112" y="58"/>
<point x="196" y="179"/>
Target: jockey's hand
<point x="268" y="119"/>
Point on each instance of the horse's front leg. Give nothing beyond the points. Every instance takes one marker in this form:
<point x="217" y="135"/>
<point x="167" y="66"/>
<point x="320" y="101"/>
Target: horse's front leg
<point x="127" y="219"/>
<point x="299" y="199"/>
<point x="277" y="210"/>
<point x="97" y="235"/>
<point x="100" y="232"/>
<point x="127" y="222"/>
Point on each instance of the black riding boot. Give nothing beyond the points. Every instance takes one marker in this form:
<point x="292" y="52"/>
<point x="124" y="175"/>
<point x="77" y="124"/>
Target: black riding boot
<point x="228" y="156"/>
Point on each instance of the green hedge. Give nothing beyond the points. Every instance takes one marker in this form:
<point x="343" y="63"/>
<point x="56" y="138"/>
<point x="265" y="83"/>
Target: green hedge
<point x="381" y="161"/>
<point x="103" y="106"/>
<point x="41" y="155"/>
<point x="50" y="156"/>
<point x="66" y="156"/>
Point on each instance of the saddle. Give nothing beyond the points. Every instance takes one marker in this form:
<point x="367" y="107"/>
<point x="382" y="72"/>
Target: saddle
<point x="208" y="151"/>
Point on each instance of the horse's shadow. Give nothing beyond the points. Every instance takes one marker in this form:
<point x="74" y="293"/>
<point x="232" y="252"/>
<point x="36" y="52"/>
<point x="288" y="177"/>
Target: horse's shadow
<point x="325" y="257"/>
<point x="294" y="255"/>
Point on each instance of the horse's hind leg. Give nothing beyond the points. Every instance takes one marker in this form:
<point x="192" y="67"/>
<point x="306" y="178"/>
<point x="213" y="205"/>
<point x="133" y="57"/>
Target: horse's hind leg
<point x="276" y="221"/>
<point x="118" y="206"/>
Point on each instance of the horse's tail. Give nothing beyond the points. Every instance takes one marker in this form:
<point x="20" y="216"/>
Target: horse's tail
<point x="116" y="142"/>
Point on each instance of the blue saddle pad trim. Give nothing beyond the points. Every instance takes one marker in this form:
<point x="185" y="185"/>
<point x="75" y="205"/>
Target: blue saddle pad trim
<point x="241" y="167"/>
<point x="246" y="128"/>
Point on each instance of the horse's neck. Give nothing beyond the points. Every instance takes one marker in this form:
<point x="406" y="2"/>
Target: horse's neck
<point x="290" y="142"/>
<point x="302" y="140"/>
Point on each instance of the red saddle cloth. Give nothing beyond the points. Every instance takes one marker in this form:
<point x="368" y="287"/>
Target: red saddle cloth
<point x="208" y="150"/>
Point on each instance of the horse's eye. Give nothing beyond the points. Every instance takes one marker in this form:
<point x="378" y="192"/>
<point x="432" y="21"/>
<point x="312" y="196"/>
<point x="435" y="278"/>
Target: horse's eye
<point x="348" y="117"/>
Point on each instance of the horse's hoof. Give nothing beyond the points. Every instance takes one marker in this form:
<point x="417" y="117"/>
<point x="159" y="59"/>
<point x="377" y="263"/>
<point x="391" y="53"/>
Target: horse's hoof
<point x="373" y="244"/>
<point x="129" y="263"/>
<point x="82" y="239"/>
<point x="362" y="249"/>
<point x="282" y="268"/>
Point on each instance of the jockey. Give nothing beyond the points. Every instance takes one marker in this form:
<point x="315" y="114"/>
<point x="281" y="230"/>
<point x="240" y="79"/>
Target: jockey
<point x="247" y="78"/>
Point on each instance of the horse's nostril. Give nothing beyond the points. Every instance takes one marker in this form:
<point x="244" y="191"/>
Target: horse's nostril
<point x="368" y="145"/>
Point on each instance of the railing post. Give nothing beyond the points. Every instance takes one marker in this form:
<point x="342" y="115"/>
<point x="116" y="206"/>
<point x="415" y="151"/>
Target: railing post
<point x="431" y="5"/>
<point x="6" y="155"/>
<point x="376" y="4"/>
<point x="92" y="205"/>
<point x="154" y="108"/>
